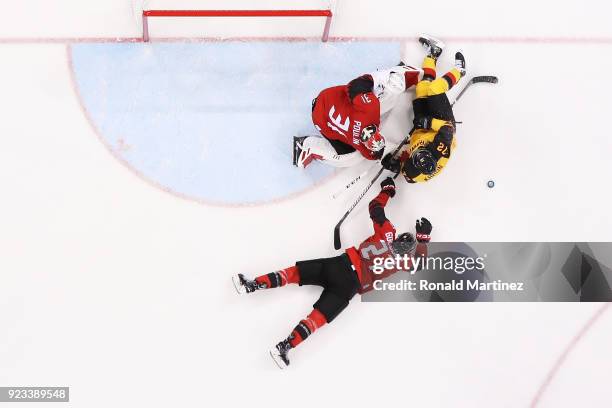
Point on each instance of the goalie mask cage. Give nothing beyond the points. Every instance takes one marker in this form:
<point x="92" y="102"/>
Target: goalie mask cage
<point x="213" y="19"/>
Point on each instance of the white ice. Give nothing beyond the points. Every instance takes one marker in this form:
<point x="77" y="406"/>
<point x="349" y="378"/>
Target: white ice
<point x="121" y="291"/>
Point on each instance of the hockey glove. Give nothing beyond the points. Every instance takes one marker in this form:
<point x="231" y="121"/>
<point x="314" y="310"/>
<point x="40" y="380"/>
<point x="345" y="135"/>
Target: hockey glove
<point x="423" y="230"/>
<point x="378" y="155"/>
<point x="388" y="186"/>
<point x="391" y="163"/>
<point x="422" y="122"/>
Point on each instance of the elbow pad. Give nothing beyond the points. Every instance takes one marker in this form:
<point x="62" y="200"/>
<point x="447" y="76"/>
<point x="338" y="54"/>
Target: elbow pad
<point x="377" y="213"/>
<point x="361" y="85"/>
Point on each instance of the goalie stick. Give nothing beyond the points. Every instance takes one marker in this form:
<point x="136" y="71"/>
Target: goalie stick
<point x="351" y="183"/>
<point x="337" y="241"/>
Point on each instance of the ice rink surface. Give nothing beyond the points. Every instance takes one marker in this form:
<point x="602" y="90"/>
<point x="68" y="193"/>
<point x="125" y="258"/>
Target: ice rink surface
<point x="115" y="270"/>
<point x="180" y="113"/>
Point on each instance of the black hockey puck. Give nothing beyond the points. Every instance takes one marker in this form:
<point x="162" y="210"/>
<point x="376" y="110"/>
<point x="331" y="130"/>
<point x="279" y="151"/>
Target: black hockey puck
<point x="490" y="184"/>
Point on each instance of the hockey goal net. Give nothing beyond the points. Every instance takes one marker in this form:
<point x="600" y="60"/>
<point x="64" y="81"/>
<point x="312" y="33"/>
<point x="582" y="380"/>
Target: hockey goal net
<point x="218" y="19"/>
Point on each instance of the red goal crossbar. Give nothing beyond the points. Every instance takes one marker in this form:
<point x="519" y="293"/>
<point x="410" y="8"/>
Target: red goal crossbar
<point x="236" y="13"/>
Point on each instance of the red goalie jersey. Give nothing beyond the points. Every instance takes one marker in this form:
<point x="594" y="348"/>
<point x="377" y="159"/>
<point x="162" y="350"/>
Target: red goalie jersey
<point x="338" y="117"/>
<point x="342" y="112"/>
<point x="377" y="246"/>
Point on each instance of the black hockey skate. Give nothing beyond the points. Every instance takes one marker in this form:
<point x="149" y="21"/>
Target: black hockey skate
<point x="279" y="354"/>
<point x="460" y="62"/>
<point x="244" y="285"/>
<point x="433" y="46"/>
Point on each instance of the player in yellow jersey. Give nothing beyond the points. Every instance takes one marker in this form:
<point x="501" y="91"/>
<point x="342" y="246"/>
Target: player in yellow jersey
<point x="433" y="138"/>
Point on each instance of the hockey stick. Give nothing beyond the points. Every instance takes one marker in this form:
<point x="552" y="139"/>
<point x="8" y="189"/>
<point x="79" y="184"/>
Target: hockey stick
<point x="475" y="80"/>
<point x="337" y="241"/>
<point x="351" y="183"/>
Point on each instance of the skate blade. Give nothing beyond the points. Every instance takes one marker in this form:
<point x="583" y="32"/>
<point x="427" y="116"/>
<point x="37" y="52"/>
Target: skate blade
<point x="239" y="288"/>
<point x="295" y="151"/>
<point x="279" y="361"/>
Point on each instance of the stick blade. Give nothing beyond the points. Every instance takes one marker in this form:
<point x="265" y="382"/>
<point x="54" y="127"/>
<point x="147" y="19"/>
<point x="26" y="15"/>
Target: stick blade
<point x="485" y="78"/>
<point x="337" y="242"/>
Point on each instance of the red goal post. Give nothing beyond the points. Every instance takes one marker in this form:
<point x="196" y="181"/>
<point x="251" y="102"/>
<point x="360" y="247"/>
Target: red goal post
<point x="146" y="14"/>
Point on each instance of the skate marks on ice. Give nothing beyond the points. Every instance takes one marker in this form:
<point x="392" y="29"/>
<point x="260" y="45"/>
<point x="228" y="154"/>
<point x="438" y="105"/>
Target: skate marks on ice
<point x="213" y="122"/>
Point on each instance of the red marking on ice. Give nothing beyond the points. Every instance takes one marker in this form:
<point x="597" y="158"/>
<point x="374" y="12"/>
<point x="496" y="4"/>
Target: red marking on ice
<point x="566" y="352"/>
<point x="466" y="39"/>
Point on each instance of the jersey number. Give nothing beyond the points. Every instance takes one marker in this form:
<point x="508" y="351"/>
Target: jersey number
<point x="336" y="122"/>
<point x="442" y="148"/>
<point x="373" y="250"/>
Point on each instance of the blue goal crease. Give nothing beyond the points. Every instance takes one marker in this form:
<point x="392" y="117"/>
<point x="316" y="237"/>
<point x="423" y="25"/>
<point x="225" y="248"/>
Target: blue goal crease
<point x="215" y="121"/>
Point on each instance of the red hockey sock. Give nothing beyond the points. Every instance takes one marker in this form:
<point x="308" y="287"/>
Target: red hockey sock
<point x="280" y="278"/>
<point x="306" y="327"/>
<point x="452" y="77"/>
<point x="429" y="69"/>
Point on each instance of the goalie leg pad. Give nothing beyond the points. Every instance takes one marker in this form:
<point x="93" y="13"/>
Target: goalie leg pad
<point x="321" y="149"/>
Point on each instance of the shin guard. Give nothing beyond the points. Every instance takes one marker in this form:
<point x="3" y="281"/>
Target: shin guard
<point x="306" y="327"/>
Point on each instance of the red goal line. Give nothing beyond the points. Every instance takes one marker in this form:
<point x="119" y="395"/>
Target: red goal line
<point x="236" y="13"/>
